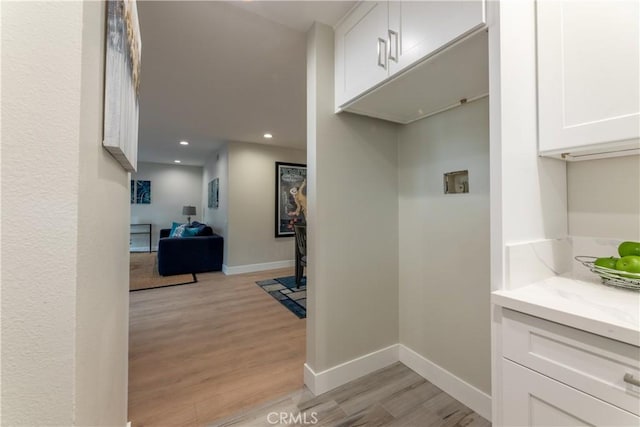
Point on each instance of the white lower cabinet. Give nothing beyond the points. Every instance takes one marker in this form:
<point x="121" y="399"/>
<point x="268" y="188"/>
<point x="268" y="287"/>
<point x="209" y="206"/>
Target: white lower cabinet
<point x="555" y="375"/>
<point x="532" y="399"/>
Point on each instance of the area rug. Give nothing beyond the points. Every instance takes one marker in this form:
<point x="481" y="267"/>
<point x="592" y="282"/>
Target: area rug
<point x="285" y="290"/>
<point x="143" y="274"/>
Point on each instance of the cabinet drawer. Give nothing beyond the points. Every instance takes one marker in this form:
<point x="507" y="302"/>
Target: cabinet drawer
<point x="532" y="399"/>
<point x="588" y="362"/>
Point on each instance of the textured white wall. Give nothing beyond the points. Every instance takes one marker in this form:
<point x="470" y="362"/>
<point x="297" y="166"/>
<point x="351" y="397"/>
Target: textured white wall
<point x="172" y="187"/>
<point x="64" y="325"/>
<point x="444" y="242"/>
<point x="217" y="166"/>
<point x="40" y="164"/>
<point x="604" y="198"/>
<point x="251" y="220"/>
<point x="353" y="222"/>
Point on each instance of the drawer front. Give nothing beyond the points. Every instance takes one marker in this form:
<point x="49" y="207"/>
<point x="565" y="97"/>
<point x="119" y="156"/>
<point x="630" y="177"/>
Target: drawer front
<point x="588" y="362"/>
<point x="534" y="400"/>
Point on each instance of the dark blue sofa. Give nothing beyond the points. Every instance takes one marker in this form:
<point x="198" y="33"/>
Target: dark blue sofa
<point x="189" y="255"/>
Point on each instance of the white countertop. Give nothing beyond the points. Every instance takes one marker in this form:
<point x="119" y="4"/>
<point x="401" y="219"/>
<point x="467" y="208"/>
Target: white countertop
<point x="590" y="306"/>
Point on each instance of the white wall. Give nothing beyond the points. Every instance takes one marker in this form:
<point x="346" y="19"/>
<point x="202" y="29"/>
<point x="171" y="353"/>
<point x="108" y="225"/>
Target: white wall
<point x="64" y="276"/>
<point x="217" y="166"/>
<point x="444" y="242"/>
<point x="528" y="193"/>
<point x="604" y="198"/>
<point x="172" y="187"/>
<point x="353" y="222"/>
<point x="102" y="300"/>
<point x="251" y="214"/>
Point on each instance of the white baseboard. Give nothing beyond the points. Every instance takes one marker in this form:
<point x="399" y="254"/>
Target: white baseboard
<point x="250" y="268"/>
<point x="331" y="378"/>
<point x="464" y="392"/>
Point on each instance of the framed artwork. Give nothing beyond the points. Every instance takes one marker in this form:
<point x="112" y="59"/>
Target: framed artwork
<point x="213" y="192"/>
<point x="291" y="197"/>
<point x="122" y="80"/>
<point x="133" y="192"/>
<point x="143" y="192"/>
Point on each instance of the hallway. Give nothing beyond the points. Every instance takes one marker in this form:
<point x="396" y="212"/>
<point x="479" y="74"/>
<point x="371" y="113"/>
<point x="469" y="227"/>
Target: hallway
<point x="201" y="352"/>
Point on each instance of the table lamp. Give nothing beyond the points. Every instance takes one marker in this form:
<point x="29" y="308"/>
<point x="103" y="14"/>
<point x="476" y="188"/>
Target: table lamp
<point x="189" y="211"/>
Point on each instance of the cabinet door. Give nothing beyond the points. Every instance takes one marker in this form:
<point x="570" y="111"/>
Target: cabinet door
<point x="361" y="50"/>
<point x="420" y="28"/>
<point x="588" y="67"/>
<point x="532" y="399"/>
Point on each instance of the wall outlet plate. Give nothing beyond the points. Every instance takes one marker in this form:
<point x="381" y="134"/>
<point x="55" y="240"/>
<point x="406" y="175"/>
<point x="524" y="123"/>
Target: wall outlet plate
<point x="456" y="182"/>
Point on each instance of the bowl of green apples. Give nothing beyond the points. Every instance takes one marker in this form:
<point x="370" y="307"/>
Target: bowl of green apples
<point x="622" y="271"/>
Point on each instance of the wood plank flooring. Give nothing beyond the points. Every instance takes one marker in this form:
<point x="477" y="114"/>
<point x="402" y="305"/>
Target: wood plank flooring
<point x="395" y="396"/>
<point x="204" y="351"/>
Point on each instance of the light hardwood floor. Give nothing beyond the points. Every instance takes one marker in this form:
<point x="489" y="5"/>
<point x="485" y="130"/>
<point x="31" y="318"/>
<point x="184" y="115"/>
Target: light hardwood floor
<point x="394" y="396"/>
<point x="224" y="349"/>
<point x="201" y="352"/>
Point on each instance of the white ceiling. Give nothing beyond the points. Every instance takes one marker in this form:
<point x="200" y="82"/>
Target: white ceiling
<point x="214" y="72"/>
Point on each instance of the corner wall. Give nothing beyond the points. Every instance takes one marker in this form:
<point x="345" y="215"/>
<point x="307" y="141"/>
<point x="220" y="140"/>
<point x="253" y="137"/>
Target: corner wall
<point x="444" y="242"/>
<point x="217" y="166"/>
<point x="352" y="225"/>
<point x="102" y="301"/>
<point x="172" y="187"/>
<point x="528" y="193"/>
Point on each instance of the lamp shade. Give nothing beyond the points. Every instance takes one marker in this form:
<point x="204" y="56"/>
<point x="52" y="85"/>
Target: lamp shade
<point x="188" y="210"/>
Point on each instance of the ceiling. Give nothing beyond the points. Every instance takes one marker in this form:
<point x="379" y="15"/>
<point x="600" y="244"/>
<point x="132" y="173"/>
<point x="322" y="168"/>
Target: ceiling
<point x="216" y="72"/>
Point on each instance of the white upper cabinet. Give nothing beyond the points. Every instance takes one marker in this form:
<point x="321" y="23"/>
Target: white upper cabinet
<point x="588" y="76"/>
<point x="361" y="41"/>
<point x="420" y="28"/>
<point x="378" y="40"/>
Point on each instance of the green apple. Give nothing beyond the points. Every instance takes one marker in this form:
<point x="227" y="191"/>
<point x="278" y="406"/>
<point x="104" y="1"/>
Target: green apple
<point x="629" y="248"/>
<point x="607" y="262"/>
<point x="630" y="264"/>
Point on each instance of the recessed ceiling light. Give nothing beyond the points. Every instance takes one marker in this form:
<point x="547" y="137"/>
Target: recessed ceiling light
<point x="184" y="142"/>
<point x="268" y="135"/>
<point x="176" y="161"/>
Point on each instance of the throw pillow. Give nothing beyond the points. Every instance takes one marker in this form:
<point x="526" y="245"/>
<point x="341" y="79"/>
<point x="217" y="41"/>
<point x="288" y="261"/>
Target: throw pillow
<point x="179" y="231"/>
<point x="199" y="228"/>
<point x="190" y="232"/>
<point x="174" y="226"/>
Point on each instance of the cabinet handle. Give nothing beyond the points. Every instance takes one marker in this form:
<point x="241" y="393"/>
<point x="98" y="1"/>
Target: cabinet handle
<point x="381" y="51"/>
<point x="628" y="378"/>
<point x="393" y="45"/>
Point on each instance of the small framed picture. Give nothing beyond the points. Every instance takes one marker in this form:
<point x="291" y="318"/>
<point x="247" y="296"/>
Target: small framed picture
<point x="213" y="192"/>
